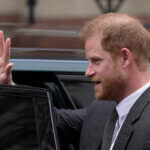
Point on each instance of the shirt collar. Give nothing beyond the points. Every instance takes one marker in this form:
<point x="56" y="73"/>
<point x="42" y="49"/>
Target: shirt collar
<point x="124" y="106"/>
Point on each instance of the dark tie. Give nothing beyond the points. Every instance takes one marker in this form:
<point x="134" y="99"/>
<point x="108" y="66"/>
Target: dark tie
<point x="109" y="130"/>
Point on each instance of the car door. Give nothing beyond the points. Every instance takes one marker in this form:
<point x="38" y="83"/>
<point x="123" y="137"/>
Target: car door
<point x="26" y="119"/>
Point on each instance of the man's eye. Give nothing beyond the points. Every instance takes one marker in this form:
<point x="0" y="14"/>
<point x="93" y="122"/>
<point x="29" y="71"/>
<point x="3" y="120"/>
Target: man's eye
<point x="96" y="61"/>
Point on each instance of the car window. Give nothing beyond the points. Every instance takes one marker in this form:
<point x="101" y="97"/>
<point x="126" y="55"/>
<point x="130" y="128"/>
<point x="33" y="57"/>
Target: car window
<point x="69" y="90"/>
<point x="80" y="88"/>
<point x="47" y="80"/>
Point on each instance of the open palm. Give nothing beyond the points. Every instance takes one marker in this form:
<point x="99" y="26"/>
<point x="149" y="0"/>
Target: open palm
<point x="5" y="66"/>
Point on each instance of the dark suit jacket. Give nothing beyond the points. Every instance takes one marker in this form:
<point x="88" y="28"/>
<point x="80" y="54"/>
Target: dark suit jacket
<point x="88" y="125"/>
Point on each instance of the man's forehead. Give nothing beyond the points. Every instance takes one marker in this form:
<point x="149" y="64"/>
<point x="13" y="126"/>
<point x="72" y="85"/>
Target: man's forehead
<point x="92" y="42"/>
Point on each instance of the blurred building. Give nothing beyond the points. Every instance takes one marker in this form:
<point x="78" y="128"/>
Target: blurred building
<point x="45" y="10"/>
<point x="62" y="14"/>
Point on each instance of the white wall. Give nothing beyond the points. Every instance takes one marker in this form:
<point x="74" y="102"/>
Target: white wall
<point x="69" y="8"/>
<point x="136" y="7"/>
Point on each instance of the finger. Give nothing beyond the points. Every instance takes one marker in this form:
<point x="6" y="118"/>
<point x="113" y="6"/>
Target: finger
<point x="6" y="53"/>
<point x="9" y="69"/>
<point x="1" y="43"/>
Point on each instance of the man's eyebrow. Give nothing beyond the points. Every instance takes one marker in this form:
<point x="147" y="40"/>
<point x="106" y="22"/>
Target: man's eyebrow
<point x="96" y="57"/>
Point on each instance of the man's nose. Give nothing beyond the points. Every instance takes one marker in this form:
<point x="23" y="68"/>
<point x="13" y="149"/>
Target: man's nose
<point x="89" y="71"/>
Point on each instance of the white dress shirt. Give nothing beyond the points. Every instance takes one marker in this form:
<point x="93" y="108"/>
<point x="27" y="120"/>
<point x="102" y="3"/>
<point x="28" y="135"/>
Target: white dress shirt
<point x="123" y="109"/>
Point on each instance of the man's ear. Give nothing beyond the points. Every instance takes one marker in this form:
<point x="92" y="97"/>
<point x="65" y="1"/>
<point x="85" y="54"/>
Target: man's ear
<point x="126" y="57"/>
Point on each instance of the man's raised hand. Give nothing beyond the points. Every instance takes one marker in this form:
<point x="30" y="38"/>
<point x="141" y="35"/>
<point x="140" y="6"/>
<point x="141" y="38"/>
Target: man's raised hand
<point x="5" y="66"/>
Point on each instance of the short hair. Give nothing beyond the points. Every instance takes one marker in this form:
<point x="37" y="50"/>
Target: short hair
<point x="117" y="31"/>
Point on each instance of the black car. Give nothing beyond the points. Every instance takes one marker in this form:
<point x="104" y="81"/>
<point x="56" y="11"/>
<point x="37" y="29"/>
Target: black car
<point x="45" y="78"/>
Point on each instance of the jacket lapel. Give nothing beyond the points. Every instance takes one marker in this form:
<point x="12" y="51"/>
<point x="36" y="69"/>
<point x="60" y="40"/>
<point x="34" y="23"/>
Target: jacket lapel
<point x="134" y="114"/>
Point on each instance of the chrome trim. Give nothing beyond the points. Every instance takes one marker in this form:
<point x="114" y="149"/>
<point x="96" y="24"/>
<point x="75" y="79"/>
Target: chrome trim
<point x="49" y="65"/>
